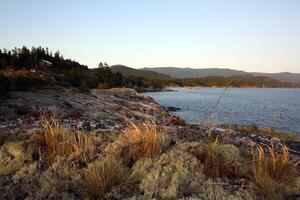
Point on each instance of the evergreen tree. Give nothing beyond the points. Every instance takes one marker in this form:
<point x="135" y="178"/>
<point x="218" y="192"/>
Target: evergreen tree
<point x="1" y="57"/>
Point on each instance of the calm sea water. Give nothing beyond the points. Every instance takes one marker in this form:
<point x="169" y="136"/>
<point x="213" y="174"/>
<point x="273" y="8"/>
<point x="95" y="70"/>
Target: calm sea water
<point x="265" y="107"/>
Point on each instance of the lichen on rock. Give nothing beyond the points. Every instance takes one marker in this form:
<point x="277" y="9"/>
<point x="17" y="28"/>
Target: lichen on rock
<point x="13" y="156"/>
<point x="175" y="174"/>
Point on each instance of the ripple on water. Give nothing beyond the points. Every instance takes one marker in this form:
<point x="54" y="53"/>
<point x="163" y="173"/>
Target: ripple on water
<point x="266" y="107"/>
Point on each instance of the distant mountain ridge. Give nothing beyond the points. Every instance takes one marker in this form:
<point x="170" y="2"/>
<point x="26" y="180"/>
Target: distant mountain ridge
<point x="283" y="76"/>
<point x="177" y="72"/>
<point x="128" y="71"/>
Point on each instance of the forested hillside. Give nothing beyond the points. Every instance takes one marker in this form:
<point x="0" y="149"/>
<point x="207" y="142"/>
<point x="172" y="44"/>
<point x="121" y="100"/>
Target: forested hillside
<point x="36" y="68"/>
<point x="127" y="71"/>
<point x="177" y="72"/>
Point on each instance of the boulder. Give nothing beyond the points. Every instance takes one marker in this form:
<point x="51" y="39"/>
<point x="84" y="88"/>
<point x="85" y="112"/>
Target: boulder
<point x="177" y="121"/>
<point x="172" y="109"/>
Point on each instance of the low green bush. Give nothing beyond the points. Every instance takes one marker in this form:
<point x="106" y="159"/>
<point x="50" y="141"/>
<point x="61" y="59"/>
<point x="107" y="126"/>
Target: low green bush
<point x="21" y="83"/>
<point x="4" y="86"/>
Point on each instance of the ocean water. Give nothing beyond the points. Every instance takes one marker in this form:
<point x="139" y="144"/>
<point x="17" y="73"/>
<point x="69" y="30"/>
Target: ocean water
<point x="265" y="107"/>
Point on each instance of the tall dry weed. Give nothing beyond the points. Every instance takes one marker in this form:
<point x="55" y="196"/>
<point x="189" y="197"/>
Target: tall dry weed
<point x="141" y="141"/>
<point x="59" y="141"/>
<point x="273" y="169"/>
<point x="102" y="175"/>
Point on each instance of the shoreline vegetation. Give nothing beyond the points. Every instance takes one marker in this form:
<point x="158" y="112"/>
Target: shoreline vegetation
<point x="173" y="88"/>
<point x="176" y="88"/>
<point x="69" y="132"/>
<point x="37" y="68"/>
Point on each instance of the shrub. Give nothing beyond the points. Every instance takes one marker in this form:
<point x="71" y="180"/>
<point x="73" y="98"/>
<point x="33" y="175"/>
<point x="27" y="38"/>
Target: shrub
<point x="21" y="83"/>
<point x="5" y="85"/>
<point x="220" y="159"/>
<point x="102" y="175"/>
<point x="213" y="160"/>
<point x="84" y="88"/>
<point x="273" y="169"/>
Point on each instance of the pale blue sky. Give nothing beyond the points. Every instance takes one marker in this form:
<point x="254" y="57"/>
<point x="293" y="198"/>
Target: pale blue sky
<point x="251" y="35"/>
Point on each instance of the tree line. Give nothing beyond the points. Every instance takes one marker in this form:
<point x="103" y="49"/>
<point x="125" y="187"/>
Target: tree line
<point x="60" y="71"/>
<point x="24" y="58"/>
<point x="69" y="73"/>
<point x="233" y="81"/>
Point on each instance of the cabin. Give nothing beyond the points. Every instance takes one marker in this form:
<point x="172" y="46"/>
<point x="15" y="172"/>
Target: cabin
<point x="45" y="63"/>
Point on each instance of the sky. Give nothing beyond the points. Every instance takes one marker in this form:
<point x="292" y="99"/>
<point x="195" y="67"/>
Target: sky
<point x="250" y="35"/>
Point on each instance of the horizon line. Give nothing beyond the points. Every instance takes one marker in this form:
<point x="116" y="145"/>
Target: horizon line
<point x="205" y="68"/>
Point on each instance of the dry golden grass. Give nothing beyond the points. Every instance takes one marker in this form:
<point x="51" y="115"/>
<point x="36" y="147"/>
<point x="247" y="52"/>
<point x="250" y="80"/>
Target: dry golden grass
<point x="102" y="175"/>
<point x="272" y="169"/>
<point x="141" y="141"/>
<point x="59" y="141"/>
<point x="56" y="140"/>
<point x="83" y="145"/>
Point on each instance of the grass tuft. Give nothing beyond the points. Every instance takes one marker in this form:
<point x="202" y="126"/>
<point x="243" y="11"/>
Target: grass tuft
<point x="102" y="175"/>
<point x="272" y="169"/>
<point x="141" y="141"/>
<point x="59" y="141"/>
<point x="212" y="160"/>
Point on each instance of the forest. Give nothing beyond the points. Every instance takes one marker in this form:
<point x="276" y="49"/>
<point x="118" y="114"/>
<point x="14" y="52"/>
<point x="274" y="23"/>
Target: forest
<point x="35" y="68"/>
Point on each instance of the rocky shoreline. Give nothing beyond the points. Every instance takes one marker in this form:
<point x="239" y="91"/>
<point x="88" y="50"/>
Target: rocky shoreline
<point x="108" y="111"/>
<point x="102" y="110"/>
